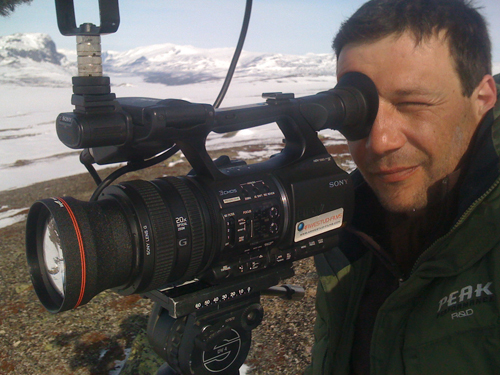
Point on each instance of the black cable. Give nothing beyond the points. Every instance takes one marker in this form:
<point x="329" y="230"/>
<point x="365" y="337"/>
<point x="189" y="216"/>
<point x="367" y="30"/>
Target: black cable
<point x="93" y="173"/>
<point x="236" y="56"/>
<point x="130" y="167"/>
<point x="87" y="160"/>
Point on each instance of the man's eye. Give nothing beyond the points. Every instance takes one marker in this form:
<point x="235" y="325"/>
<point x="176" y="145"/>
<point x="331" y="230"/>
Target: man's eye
<point x="412" y="105"/>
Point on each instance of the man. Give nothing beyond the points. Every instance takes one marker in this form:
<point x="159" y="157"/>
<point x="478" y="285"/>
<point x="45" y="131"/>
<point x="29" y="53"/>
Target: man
<point x="413" y="287"/>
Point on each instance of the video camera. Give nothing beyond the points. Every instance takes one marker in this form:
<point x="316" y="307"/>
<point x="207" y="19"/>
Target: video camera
<point x="202" y="246"/>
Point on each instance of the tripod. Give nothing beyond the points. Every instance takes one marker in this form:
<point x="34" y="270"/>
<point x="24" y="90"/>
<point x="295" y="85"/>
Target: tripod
<point x="209" y="330"/>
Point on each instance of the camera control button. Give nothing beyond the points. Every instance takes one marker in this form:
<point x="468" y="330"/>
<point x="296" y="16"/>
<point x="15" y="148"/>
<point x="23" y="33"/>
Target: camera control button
<point x="242" y="268"/>
<point x="230" y="231"/>
<point x="283" y="256"/>
<point x="274" y="212"/>
<point x="273" y="228"/>
<point x="245" y="193"/>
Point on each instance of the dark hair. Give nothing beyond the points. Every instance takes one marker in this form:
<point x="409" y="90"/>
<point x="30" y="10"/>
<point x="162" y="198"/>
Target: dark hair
<point x="466" y="31"/>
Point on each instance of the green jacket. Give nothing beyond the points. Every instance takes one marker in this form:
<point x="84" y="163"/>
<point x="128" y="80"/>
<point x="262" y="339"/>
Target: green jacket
<point x="444" y="318"/>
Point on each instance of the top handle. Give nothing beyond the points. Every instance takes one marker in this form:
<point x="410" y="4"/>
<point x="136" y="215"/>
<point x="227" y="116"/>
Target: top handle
<point x="108" y="12"/>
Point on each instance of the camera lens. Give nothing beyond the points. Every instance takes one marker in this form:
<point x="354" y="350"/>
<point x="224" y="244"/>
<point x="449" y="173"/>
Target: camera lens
<point x="72" y="251"/>
<point x="138" y="236"/>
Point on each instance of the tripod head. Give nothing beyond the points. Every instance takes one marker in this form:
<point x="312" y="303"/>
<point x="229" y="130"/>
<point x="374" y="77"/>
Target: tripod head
<point x="209" y="329"/>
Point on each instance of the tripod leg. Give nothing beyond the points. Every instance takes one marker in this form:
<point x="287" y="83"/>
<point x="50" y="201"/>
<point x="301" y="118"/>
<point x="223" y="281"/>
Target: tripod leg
<point x="165" y="369"/>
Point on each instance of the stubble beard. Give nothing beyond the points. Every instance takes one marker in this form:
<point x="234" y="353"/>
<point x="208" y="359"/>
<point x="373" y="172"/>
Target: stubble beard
<point x="403" y="200"/>
<point x="420" y="191"/>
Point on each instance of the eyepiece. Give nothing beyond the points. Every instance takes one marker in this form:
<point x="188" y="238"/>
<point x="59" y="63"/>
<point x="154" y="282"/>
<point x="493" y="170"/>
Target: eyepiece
<point x="350" y="107"/>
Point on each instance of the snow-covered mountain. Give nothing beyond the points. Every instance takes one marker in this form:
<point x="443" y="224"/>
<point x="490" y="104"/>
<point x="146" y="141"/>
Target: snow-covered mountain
<point x="173" y="65"/>
<point x="32" y="59"/>
<point x="36" y="47"/>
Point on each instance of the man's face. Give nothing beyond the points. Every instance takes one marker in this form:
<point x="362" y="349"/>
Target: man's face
<point x="424" y="123"/>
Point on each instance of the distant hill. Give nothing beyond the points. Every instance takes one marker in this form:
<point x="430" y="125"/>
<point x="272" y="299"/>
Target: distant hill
<point x="32" y="59"/>
<point x="176" y="65"/>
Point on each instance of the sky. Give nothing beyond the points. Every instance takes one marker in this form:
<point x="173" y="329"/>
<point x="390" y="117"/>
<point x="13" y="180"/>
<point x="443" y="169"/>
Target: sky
<point x="276" y="26"/>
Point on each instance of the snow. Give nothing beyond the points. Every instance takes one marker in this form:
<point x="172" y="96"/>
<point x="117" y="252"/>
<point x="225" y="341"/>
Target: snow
<point x="24" y="42"/>
<point x="160" y="60"/>
<point x="11" y="216"/>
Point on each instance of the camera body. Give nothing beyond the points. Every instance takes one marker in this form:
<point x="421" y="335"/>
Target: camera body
<point x="224" y="220"/>
<point x="285" y="214"/>
<point x="235" y="218"/>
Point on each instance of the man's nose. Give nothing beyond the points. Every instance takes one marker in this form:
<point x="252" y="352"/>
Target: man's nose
<point x="387" y="134"/>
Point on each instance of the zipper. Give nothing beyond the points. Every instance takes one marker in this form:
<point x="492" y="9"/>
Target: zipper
<point x="457" y="224"/>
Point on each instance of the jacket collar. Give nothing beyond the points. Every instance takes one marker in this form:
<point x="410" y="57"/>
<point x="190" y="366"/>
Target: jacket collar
<point x="482" y="168"/>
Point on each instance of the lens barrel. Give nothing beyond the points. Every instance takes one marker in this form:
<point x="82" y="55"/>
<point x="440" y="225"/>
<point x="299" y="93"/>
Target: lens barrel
<point x="139" y="236"/>
<point x="93" y="261"/>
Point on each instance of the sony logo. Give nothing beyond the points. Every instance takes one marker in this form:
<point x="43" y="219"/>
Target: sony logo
<point x="333" y="184"/>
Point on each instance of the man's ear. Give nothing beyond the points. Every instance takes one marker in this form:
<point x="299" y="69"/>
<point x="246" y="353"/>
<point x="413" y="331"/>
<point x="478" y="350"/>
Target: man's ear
<point x="485" y="95"/>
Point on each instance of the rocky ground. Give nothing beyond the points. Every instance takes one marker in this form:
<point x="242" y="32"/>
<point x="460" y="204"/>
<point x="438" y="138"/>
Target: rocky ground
<point x="90" y="339"/>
